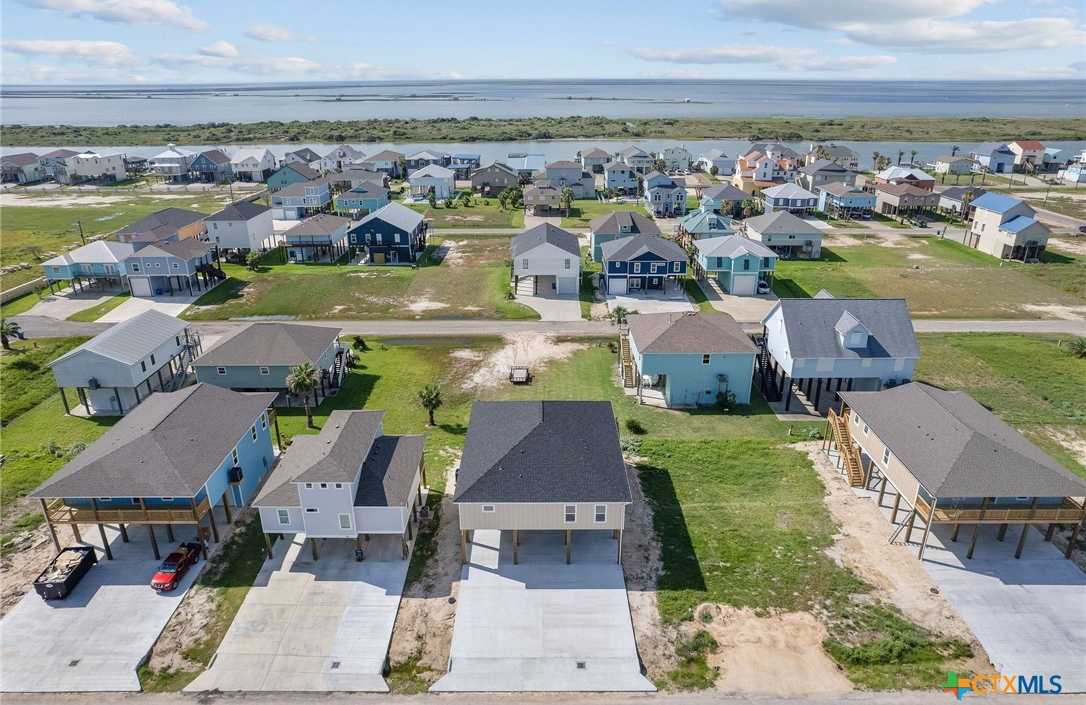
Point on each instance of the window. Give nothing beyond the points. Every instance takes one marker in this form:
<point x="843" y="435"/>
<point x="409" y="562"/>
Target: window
<point x="265" y="371"/>
<point x="312" y="510"/>
<point x="866" y="429"/>
<point x="309" y="485"/>
<point x="175" y="265"/>
<point x="855" y="420"/>
<point x="105" y="499"/>
<point x="567" y="263"/>
<point x="324" y="485"/>
<point x="746" y="264"/>
<point x="135" y="266"/>
<point x="252" y="432"/>
<point x="284" y="516"/>
<point x="177" y="339"/>
<point x="705" y="359"/>
<point x="571" y="513"/>
<point x="885" y="456"/>
<point x="600" y="513"/>
<point x="524" y="263"/>
<point x="488" y="508"/>
<point x="234" y="455"/>
<point x="344" y="521"/>
<point x="264" y="420"/>
<point x="221" y="371"/>
<point x="637" y="267"/>
<point x="676" y="266"/>
<point x="143" y="366"/>
<point x="152" y="359"/>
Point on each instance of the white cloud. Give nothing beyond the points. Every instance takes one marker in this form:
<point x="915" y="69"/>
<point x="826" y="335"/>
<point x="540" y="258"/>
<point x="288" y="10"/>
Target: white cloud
<point x="789" y="58"/>
<point x="126" y="11"/>
<point x="261" y="66"/>
<point x="274" y="33"/>
<point x="221" y="49"/>
<point x="98" y="53"/>
<point x="828" y="14"/>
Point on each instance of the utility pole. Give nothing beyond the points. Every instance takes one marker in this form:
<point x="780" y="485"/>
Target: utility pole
<point x="81" y="237"/>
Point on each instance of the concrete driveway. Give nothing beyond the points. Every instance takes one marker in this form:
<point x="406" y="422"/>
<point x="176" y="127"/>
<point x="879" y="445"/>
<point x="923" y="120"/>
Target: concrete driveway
<point x="170" y="305"/>
<point x="671" y="299"/>
<point x="313" y="625"/>
<point x="68" y="302"/>
<point x="94" y="639"/>
<point x="543" y="625"/>
<point x="744" y="309"/>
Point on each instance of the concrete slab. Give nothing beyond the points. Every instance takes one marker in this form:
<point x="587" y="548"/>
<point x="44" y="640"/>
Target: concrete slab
<point x="313" y="625"/>
<point x="673" y="298"/>
<point x="94" y="639"/>
<point x="67" y="302"/>
<point x="744" y="309"/>
<point x="170" y="305"/>
<point x="543" y="625"/>
<point x="554" y="307"/>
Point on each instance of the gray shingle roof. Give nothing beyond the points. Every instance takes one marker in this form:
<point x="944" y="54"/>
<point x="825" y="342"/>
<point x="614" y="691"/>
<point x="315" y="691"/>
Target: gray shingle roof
<point x="629" y="247"/>
<point x="241" y="210"/>
<point x="689" y="332"/>
<point x="389" y="471"/>
<point x="546" y="232"/>
<point x="160" y="224"/>
<point x="957" y="448"/>
<point x="542" y="451"/>
<point x="824" y="165"/>
<point x="306" y="154"/>
<point x="780" y="223"/>
<point x="319" y="224"/>
<point x="186" y="249"/>
<point x="168" y="446"/>
<point x="725" y="192"/>
<point x="809" y="325"/>
<point x="839" y="188"/>
<point x="595" y="153"/>
<point x="302" y="169"/>
<point x="130" y="341"/>
<point x="20" y="159"/>
<point x="271" y="344"/>
<point x="395" y="214"/>
<point x="215" y="156"/>
<point x="612" y="224"/>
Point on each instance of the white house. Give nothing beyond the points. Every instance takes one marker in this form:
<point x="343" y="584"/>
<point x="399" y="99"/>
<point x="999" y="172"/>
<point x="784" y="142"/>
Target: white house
<point x="788" y="197"/>
<point x="252" y="163"/>
<point x="1074" y="174"/>
<point x="564" y="174"/>
<point x="1006" y="227"/>
<point x="440" y="180"/>
<point x="724" y="164"/>
<point x="785" y="234"/>
<point x="173" y="162"/>
<point x="954" y="164"/>
<point x="305" y="156"/>
<point x="342" y="157"/>
<point x="551" y="256"/>
<point x="675" y="158"/>
<point x="641" y="161"/>
<point x="91" y="166"/>
<point x="664" y="197"/>
<point x="593" y="160"/>
<point x="1027" y="153"/>
<point x="244" y="225"/>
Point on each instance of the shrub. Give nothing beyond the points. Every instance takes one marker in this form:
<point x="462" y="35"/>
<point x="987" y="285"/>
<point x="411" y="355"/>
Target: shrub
<point x="636" y="427"/>
<point x="1078" y="347"/>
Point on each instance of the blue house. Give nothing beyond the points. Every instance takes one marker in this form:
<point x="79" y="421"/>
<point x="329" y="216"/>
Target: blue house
<point x="995" y="157"/>
<point x="687" y="359"/>
<point x="184" y="458"/>
<point x="840" y="200"/>
<point x="179" y="268"/>
<point x="289" y="174"/>
<point x="100" y="262"/>
<point x="212" y="166"/>
<point x="361" y="200"/>
<point x="615" y="226"/>
<point x="394" y="234"/>
<point x="641" y="263"/>
<point x="738" y="263"/>
<point x="299" y="200"/>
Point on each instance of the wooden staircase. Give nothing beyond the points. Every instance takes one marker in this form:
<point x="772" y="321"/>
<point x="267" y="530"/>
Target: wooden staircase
<point x="626" y="361"/>
<point x="839" y="435"/>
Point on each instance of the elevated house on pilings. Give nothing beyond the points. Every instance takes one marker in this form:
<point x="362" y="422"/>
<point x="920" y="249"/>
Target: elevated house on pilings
<point x="116" y="370"/>
<point x="96" y="265"/>
<point x="947" y="460"/>
<point x="180" y="459"/>
<point x="347" y="482"/>
<point x="819" y="346"/>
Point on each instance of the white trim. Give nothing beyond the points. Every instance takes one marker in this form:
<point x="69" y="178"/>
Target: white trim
<point x="567" y="510"/>
<point x="284" y="516"/>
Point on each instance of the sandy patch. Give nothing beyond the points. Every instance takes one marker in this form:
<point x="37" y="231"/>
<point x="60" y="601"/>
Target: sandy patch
<point x="464" y="218"/>
<point x="1064" y="313"/>
<point x="780" y="655"/>
<point x="424" y="304"/>
<point x="917" y="255"/>
<point x="337" y="309"/>
<point x="533" y="350"/>
<point x="18" y="199"/>
<point x="1076" y="246"/>
<point x="367" y="275"/>
<point x="472" y="308"/>
<point x="453" y="251"/>
<point x="23" y="559"/>
<point x="1074" y="442"/>
<point x="466" y="354"/>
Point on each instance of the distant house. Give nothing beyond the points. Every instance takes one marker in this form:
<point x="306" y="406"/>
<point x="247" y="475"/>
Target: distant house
<point x="355" y="176"/>
<point x="91" y="167"/>
<point x="675" y="158"/>
<point x="899" y="199"/>
<point x="788" y="197"/>
<point x="302" y="199"/>
<point x="252" y="164"/>
<point x="21" y="168"/>
<point x="493" y="179"/>
<point x="348" y="481"/>
<point x="321" y="238"/>
<point x="845" y="202"/>
<point x="593" y="160"/>
<point x="1006" y="227"/>
<point x="620" y="177"/>
<point x="835" y="344"/>
<point x="738" y="263"/>
<point x="633" y="156"/>
<point x="259" y="356"/>
<point x="525" y="164"/>
<point x="1074" y="173"/>
<point x="172" y="268"/>
<point x="425" y="158"/>
<point x="954" y="164"/>
<point x="765" y="165"/>
<point x="565" y="174"/>
<point x="212" y="166"/>
<point x="703" y="223"/>
<point x="616" y="226"/>
<point x="304" y="156"/>
<point x="664" y="197"/>
<point x="994" y="158"/>
<point x="551" y="256"/>
<point x="290" y="174"/>
<point x="168" y="224"/>
<point x="688" y="359"/>
<point x="838" y="153"/>
<point x="1028" y="154"/>
<point x="641" y="264"/>
<point x="120" y="367"/>
<point x="907" y="175"/>
<point x="824" y="171"/>
<point x="464" y="164"/>
<point x="724" y="199"/>
<point x="178" y="459"/>
<point x="243" y="225"/>
<point x="1052" y="160"/>
<point x="542" y="198"/>
<point x="958" y="200"/>
<point x="387" y="162"/>
<point x="724" y="164"/>
<point x="173" y="163"/>
<point x="394" y="234"/>
<point x="361" y="200"/>
<point x="51" y="160"/>
<point x="98" y="263"/>
<point x="433" y="179"/>
<point x="341" y="157"/>
<point x="785" y="234"/>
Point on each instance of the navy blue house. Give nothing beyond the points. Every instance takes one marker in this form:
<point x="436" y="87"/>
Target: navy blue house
<point x="393" y="234"/>
<point x="641" y="263"/>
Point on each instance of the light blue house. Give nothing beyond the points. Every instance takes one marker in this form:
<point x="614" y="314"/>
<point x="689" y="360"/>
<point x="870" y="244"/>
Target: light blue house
<point x="841" y="200"/>
<point x="643" y="263"/>
<point x="703" y="223"/>
<point x="687" y="359"/>
<point x="298" y="200"/>
<point x="179" y="458"/>
<point x="361" y="200"/>
<point x="100" y="262"/>
<point x="738" y="263"/>
<point x="291" y="173"/>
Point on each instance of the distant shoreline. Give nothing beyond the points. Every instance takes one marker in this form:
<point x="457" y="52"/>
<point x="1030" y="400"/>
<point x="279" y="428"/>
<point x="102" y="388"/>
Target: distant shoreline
<point x="789" y="129"/>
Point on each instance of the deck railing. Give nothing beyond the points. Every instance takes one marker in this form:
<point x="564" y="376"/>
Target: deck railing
<point x="1069" y="512"/>
<point x="61" y="513"/>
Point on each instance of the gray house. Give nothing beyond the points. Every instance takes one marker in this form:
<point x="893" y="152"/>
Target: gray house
<point x="493" y="179"/>
<point x="349" y="481"/>
<point x="258" y="358"/>
<point x="615" y="226"/>
<point x="181" y="267"/>
<point x="167" y="224"/>
<point x="549" y="255"/>
<point x="117" y="369"/>
<point x="542" y="466"/>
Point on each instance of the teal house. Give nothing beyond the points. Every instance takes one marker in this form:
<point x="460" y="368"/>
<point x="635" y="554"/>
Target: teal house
<point x="687" y="359"/>
<point x="704" y="223"/>
<point x="361" y="200"/>
<point x="738" y="263"/>
<point x="289" y="174"/>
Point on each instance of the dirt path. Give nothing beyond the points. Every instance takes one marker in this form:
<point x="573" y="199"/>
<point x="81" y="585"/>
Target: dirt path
<point x="533" y="350"/>
<point x="22" y="560"/>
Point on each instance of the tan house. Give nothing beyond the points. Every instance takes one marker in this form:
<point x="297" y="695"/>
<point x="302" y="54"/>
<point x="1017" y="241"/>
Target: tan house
<point x="1006" y="227"/>
<point x="168" y="224"/>
<point x="493" y="179"/>
<point x="1028" y="154"/>
<point x="899" y="199"/>
<point x="542" y="197"/>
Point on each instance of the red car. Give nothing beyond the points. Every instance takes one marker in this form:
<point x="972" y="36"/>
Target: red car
<point x="175" y="566"/>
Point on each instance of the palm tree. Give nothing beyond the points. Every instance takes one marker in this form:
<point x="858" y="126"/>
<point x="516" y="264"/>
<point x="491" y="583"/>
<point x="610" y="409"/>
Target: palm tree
<point x="8" y="330"/>
<point x="876" y="159"/>
<point x="566" y="201"/>
<point x="954" y="150"/>
<point x="430" y="399"/>
<point x="302" y="380"/>
<point x="900" y="154"/>
<point x="912" y="157"/>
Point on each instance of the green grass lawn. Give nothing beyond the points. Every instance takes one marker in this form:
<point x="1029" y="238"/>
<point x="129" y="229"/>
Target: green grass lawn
<point x="694" y="293"/>
<point x="95" y="312"/>
<point x="886" y="220"/>
<point x="26" y="376"/>
<point x="939" y="278"/>
<point x="1066" y="205"/>
<point x="477" y="215"/>
<point x="585" y="210"/>
<point x="466" y="277"/>
<point x="20" y="304"/>
<point x="587" y="292"/>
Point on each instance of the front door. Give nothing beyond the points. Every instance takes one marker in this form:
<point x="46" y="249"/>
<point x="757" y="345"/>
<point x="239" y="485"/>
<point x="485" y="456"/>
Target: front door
<point x="635" y="282"/>
<point x="655" y="282"/>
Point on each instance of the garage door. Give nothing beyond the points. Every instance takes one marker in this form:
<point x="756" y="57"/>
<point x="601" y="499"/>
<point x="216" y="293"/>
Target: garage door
<point x="567" y="285"/>
<point x="744" y="284"/>
<point x="616" y="285"/>
<point x="141" y="286"/>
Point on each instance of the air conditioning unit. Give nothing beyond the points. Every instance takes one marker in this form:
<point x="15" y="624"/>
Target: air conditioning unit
<point x="236" y="474"/>
<point x="92" y="383"/>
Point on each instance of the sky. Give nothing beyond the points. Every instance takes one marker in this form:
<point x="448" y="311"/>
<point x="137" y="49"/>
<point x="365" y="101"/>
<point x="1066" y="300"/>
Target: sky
<point x="222" y="41"/>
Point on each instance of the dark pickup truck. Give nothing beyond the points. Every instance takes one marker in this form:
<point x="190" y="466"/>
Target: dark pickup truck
<point x="65" y="571"/>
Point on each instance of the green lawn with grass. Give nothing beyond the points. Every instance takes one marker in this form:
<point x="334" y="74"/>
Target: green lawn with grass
<point x="95" y="312"/>
<point x="1073" y="207"/>
<point x="587" y="292"/>
<point x="20" y="304"/>
<point x="938" y="278"/>
<point x="478" y="215"/>
<point x="696" y="294"/>
<point x="26" y="376"/>
<point x="585" y="211"/>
